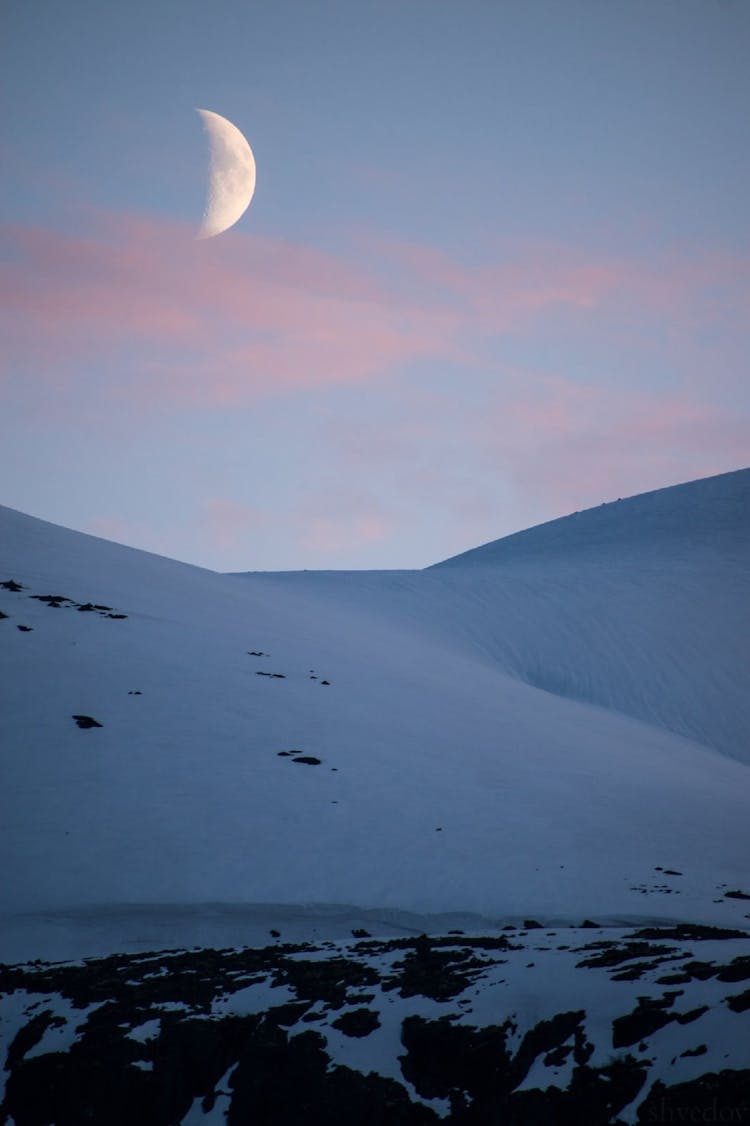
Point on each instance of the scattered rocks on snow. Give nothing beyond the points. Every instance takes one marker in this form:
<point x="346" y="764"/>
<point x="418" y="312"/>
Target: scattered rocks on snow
<point x="86" y="721"/>
<point x="700" y="1050"/>
<point x="53" y="600"/>
<point x="739" y="1002"/>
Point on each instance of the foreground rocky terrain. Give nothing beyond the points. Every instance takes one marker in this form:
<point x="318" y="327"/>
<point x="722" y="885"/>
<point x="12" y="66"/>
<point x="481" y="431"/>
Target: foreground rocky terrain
<point x="527" y="1026"/>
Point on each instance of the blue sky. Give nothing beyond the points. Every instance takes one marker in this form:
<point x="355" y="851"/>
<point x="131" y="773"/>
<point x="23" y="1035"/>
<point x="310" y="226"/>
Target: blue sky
<point x="496" y="269"/>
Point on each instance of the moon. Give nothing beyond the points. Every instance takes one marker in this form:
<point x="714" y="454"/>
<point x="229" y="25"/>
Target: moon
<point x="231" y="175"/>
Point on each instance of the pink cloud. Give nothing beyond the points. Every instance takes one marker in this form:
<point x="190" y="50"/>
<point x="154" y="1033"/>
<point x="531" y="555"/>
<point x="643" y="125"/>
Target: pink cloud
<point x="333" y="521"/>
<point x="223" y="321"/>
<point x="537" y="443"/>
<point x="212" y="321"/>
<point x="567" y="444"/>
<point x="326" y="534"/>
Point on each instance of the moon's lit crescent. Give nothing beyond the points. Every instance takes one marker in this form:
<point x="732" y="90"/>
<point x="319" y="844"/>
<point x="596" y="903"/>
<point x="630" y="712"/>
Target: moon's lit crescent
<point x="231" y="175"/>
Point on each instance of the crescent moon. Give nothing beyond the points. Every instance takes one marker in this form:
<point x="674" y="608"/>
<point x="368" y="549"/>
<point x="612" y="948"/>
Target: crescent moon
<point x="231" y="175"/>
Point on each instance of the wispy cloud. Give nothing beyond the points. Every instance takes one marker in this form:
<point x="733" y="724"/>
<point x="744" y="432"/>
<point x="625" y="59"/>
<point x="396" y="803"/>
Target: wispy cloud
<point x="210" y="321"/>
<point x="564" y="444"/>
<point x="138" y="314"/>
<point x="314" y="527"/>
<point x="226" y="320"/>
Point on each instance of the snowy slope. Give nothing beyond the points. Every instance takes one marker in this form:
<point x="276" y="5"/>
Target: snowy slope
<point x="641" y="606"/>
<point x="711" y="515"/>
<point x="447" y="781"/>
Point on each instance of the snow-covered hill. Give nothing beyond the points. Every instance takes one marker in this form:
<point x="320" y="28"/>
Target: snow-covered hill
<point x="711" y="515"/>
<point x="641" y="606"/>
<point x="548" y="729"/>
<point x="450" y="777"/>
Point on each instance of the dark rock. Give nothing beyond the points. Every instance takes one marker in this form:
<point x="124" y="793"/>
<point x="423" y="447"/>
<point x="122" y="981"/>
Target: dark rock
<point x="25" y="629"/>
<point x="443" y="1059"/>
<point x="327" y="981"/>
<point x="594" y="1098"/>
<point x="612" y="954"/>
<point x="360" y="932"/>
<point x="736" y="970"/>
<point x="474" y="1070"/>
<point x="689" y="932"/>
<point x="700" y="970"/>
<point x="11" y="584"/>
<point x="328" y="682"/>
<point x="699" y="1051"/>
<point x="558" y="1056"/>
<point x="30" y="1035"/>
<point x="433" y="972"/>
<point x="587" y="924"/>
<point x="288" y="1081"/>
<point x="357" y="1022"/>
<point x="2" y="615"/>
<point x="635" y="972"/>
<point x="86" y="721"/>
<point x="118" y="616"/>
<point x="736" y="895"/>
<point x="699" y="1100"/>
<point x="288" y="1014"/>
<point x="739" y="1002"/>
<point x="309" y="760"/>
<point x="650" y="1015"/>
<point x="532" y="925"/>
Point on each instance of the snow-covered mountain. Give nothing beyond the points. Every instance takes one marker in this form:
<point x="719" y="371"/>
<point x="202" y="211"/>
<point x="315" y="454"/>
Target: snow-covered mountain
<point x="455" y="773"/>
<point x="552" y="727"/>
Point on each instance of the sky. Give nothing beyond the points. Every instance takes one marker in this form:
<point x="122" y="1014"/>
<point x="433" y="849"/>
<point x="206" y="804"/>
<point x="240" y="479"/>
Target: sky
<point x="496" y="269"/>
